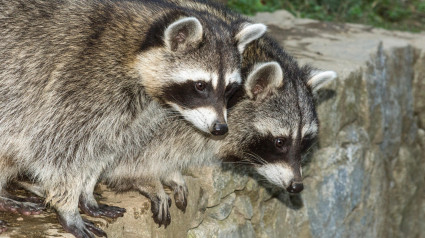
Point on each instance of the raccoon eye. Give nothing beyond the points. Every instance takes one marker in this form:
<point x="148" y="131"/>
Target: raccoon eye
<point x="200" y="86"/>
<point x="279" y="142"/>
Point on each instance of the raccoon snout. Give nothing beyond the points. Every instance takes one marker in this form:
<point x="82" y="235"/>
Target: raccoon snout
<point x="295" y="187"/>
<point x="219" y="129"/>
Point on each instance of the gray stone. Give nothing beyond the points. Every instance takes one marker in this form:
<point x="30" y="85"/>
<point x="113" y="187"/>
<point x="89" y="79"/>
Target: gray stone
<point x="235" y="226"/>
<point x="243" y="206"/>
<point x="222" y="210"/>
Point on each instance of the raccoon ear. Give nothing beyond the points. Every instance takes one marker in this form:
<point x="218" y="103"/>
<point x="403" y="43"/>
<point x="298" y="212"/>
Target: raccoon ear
<point x="248" y="33"/>
<point x="183" y="33"/>
<point x="263" y="78"/>
<point x="320" y="78"/>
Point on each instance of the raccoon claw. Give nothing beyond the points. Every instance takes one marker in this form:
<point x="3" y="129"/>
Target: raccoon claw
<point x="102" y="210"/>
<point x="93" y="228"/>
<point x="85" y="230"/>
<point x="180" y="197"/>
<point x="160" y="209"/>
<point x="3" y="227"/>
<point x="24" y="208"/>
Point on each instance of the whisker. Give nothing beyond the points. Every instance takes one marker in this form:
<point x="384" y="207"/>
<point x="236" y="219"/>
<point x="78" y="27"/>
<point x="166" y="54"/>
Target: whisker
<point x="256" y="158"/>
<point x="251" y="157"/>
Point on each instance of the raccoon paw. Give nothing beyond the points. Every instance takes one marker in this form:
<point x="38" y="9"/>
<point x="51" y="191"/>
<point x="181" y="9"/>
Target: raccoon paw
<point x="176" y="181"/>
<point x="24" y="208"/>
<point x="80" y="228"/>
<point x="111" y="211"/>
<point x="160" y="209"/>
<point x="180" y="197"/>
<point x="102" y="210"/>
<point x="3" y="227"/>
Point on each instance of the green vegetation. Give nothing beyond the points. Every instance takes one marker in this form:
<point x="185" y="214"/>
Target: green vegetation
<point x="391" y="14"/>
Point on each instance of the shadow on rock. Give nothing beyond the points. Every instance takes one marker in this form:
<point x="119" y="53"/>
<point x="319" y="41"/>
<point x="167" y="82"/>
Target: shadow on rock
<point x="293" y="201"/>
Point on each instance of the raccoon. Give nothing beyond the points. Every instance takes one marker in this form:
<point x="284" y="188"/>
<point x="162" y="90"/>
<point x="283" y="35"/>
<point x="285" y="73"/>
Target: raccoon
<point x="280" y="121"/>
<point x="77" y="78"/>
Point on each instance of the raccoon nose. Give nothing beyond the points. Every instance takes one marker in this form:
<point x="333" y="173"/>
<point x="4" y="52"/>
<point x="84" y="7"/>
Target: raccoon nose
<point x="295" y="187"/>
<point x="219" y="129"/>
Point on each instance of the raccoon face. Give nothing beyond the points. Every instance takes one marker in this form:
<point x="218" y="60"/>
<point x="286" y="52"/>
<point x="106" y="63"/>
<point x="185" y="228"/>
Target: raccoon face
<point x="281" y="124"/>
<point x="196" y="69"/>
<point x="201" y="97"/>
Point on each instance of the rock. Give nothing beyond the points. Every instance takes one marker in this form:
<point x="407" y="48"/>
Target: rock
<point x="364" y="178"/>
<point x="223" y="209"/>
<point x="243" y="206"/>
<point x="235" y="226"/>
<point x="419" y="89"/>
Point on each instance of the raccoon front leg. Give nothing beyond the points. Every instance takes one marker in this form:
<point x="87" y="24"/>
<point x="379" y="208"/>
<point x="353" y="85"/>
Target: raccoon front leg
<point x="63" y="194"/>
<point x="3" y="226"/>
<point x="160" y="201"/>
<point x="177" y="183"/>
<point x="89" y="205"/>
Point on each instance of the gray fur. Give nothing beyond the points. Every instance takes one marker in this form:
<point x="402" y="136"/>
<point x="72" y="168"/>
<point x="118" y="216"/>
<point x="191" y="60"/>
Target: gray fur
<point x="72" y="98"/>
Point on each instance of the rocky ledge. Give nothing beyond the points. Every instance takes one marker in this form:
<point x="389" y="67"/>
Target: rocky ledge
<point x="363" y="179"/>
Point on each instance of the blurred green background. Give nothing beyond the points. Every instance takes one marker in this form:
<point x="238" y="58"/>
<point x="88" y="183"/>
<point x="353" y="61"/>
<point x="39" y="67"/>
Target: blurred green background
<point x="390" y="14"/>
